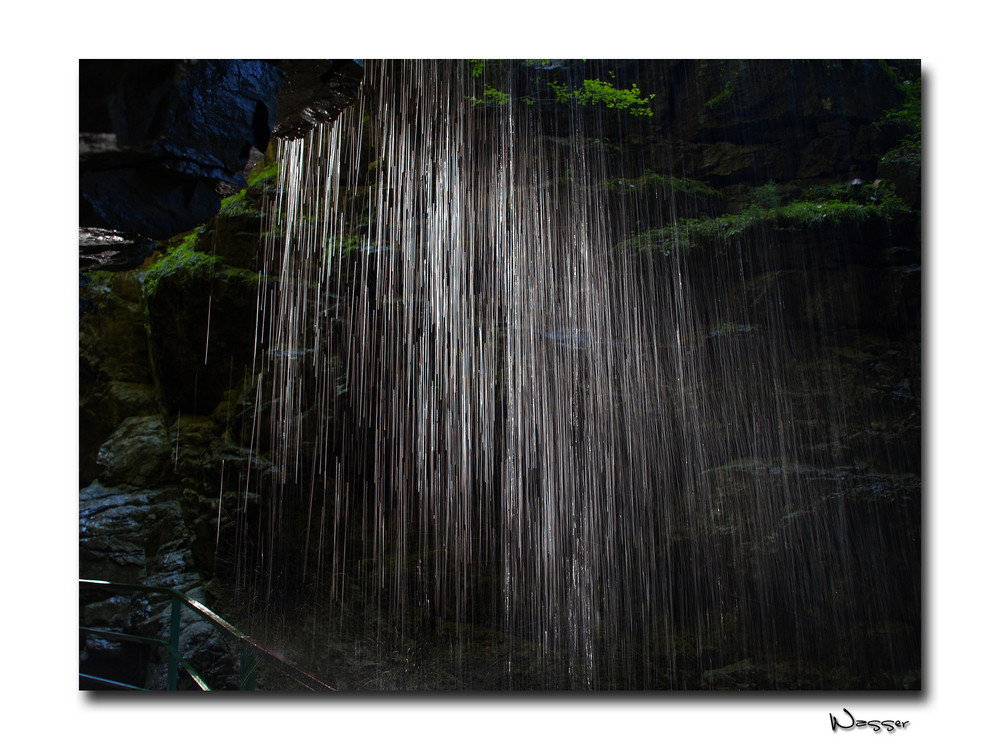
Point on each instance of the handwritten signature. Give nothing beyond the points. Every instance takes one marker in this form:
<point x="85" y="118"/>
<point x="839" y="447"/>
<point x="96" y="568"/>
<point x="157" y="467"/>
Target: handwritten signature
<point x="875" y="726"/>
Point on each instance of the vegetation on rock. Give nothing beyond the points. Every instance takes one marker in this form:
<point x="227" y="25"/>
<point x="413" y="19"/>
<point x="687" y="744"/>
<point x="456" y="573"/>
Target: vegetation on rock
<point x="180" y="255"/>
<point x="243" y="202"/>
<point x="592" y="92"/>
<point x="905" y="121"/>
<point x="651" y="182"/>
<point x="818" y="206"/>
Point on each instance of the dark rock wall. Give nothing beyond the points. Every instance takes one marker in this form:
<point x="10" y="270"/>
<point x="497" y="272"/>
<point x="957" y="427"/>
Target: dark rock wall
<point x="163" y="138"/>
<point x="162" y="141"/>
<point x="734" y="121"/>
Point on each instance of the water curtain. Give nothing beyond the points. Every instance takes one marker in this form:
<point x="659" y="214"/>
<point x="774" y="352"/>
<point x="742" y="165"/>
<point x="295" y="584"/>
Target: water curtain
<point x="491" y="408"/>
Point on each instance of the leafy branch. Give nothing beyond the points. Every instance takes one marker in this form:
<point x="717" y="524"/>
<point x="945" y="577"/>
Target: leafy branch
<point x="593" y="92"/>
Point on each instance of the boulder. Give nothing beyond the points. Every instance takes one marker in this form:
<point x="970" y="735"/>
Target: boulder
<point x="137" y="454"/>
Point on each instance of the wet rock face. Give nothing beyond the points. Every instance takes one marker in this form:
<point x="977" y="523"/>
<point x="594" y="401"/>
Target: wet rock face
<point x="162" y="141"/>
<point x="111" y="250"/>
<point x="315" y="91"/>
<point x="134" y="536"/>
<point x="159" y="139"/>
<point x="116" y="381"/>
<point x="165" y="354"/>
<point x="141" y="537"/>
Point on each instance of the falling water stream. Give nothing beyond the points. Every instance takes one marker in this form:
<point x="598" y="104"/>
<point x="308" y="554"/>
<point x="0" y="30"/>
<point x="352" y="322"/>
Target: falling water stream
<point x="498" y="425"/>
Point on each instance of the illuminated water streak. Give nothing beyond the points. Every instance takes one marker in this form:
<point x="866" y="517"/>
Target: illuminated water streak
<point x="539" y="416"/>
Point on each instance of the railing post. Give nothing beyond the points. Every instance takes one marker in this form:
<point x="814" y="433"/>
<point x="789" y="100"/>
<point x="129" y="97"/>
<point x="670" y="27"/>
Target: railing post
<point x="175" y="641"/>
<point x="250" y="652"/>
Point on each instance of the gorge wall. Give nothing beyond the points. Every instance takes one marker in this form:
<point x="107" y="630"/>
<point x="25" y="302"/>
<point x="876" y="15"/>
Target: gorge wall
<point x="786" y="198"/>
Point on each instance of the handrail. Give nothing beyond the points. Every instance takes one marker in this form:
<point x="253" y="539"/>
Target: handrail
<point x="249" y="648"/>
<point x="174" y="656"/>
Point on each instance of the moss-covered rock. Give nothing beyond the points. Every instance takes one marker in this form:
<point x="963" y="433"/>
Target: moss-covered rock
<point x="198" y="314"/>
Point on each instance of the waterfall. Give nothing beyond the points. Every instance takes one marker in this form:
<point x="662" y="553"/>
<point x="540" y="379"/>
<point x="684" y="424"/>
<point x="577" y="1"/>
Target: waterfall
<point x="495" y="418"/>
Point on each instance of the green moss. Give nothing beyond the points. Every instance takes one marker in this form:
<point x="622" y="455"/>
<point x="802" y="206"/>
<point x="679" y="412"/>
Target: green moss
<point x="695" y="188"/>
<point x="182" y="256"/>
<point x="264" y="171"/>
<point x="820" y="206"/>
<point x="236" y="205"/>
<point x="244" y="203"/>
<point x="232" y="275"/>
<point x="345" y="246"/>
<point x="651" y="182"/>
<point x="723" y="97"/>
<point x="648" y="183"/>
<point x="99" y="277"/>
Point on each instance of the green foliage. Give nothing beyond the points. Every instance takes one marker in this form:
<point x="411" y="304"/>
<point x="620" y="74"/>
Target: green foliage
<point x="649" y="182"/>
<point x="602" y="92"/>
<point x="561" y="91"/>
<point x="492" y="97"/>
<point x="479" y="66"/>
<point x="593" y="92"/>
<point x="344" y="246"/>
<point x="906" y="118"/>
<point x="766" y="195"/>
<point x="695" y="188"/>
<point x="876" y="194"/>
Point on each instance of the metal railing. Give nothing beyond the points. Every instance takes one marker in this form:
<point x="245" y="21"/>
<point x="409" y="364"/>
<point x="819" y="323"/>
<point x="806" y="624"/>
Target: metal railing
<point x="251" y="653"/>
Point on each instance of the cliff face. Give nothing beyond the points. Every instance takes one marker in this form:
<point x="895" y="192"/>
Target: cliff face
<point x="791" y="122"/>
<point x="787" y="191"/>
<point x="163" y="141"/>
